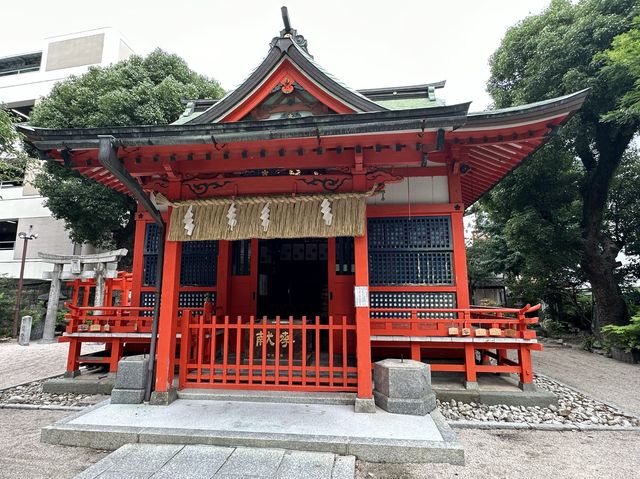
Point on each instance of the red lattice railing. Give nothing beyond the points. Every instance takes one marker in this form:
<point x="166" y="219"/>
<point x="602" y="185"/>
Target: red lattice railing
<point x="260" y="353"/>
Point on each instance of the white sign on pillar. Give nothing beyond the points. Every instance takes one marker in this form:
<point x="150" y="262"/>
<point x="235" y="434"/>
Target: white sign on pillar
<point x="361" y="295"/>
<point x="76" y="267"/>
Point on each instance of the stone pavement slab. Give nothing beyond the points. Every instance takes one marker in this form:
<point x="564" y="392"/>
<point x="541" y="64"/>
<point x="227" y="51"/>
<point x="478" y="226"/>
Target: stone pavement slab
<point x="209" y="460"/>
<point x="306" y="465"/>
<point x="158" y="461"/>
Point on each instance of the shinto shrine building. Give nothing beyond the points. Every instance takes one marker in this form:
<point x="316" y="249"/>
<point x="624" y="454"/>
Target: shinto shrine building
<point x="295" y="231"/>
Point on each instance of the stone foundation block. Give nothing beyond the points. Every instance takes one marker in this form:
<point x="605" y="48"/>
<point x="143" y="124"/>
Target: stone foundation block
<point x="403" y="387"/>
<point x="163" y="398"/>
<point x="365" y="405"/>
<point x="132" y="372"/>
<point x="415" y="407"/>
<point x="398" y="378"/>
<point x="127" y="396"/>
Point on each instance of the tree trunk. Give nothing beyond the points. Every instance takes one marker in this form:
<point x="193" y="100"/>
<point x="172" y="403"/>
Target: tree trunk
<point x="610" y="306"/>
<point x="599" y="250"/>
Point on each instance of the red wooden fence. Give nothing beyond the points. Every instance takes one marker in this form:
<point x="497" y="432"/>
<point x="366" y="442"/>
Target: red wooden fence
<point x="260" y="353"/>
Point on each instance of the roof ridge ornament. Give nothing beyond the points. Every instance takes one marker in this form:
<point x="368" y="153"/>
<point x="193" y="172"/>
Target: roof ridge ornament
<point x="290" y="32"/>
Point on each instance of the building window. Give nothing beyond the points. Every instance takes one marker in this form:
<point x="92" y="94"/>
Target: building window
<point x="8" y="232"/>
<point x="150" y="255"/>
<point x="410" y="251"/>
<point x="198" y="263"/>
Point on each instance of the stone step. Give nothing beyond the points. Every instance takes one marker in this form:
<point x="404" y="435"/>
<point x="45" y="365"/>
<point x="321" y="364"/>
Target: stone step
<point x="336" y="429"/>
<point x="132" y="461"/>
<point x="294" y="397"/>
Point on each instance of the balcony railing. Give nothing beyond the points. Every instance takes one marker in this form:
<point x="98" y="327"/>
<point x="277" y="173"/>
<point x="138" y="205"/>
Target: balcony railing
<point x="448" y="322"/>
<point x="108" y="319"/>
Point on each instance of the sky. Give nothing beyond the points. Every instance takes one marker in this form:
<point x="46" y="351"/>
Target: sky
<point x="365" y="44"/>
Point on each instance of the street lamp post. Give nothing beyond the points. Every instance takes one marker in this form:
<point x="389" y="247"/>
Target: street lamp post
<point x="26" y="237"/>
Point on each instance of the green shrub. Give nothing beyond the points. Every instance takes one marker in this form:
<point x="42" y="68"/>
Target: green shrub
<point x="553" y="328"/>
<point x="626" y="337"/>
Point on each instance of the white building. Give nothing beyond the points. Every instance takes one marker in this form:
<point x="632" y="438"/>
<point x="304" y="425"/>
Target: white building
<point x="24" y="79"/>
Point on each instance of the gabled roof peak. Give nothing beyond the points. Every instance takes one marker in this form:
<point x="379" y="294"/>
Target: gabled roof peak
<point x="288" y="33"/>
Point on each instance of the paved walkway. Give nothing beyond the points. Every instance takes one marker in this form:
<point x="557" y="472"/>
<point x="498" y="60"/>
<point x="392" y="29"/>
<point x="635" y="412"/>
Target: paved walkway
<point x="21" y="364"/>
<point x="169" y="461"/>
<point x="489" y="454"/>
<point x="603" y="378"/>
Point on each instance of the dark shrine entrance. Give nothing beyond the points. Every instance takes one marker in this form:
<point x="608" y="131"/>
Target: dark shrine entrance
<point x="293" y="278"/>
<point x="291" y="324"/>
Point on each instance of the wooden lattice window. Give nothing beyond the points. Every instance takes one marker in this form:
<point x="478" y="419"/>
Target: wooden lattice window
<point x="410" y="251"/>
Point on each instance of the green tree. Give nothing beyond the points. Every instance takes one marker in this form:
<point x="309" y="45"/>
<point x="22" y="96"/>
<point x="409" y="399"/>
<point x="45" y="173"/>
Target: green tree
<point x="557" y="52"/>
<point x="527" y="230"/>
<point x="13" y="161"/>
<point x="138" y="91"/>
<point x="625" y="55"/>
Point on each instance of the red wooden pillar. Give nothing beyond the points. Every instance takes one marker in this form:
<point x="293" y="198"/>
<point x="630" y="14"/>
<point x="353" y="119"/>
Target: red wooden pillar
<point x="73" y="366"/>
<point x="167" y="324"/>
<point x="138" y="259"/>
<point x="116" y="354"/>
<point x="471" y="381"/>
<point x="364" y="402"/>
<point x="416" y="352"/>
<point x="526" y="372"/>
<point x="457" y="230"/>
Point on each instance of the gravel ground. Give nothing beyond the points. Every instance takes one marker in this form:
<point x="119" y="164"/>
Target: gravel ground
<point x="23" y="456"/>
<point x="528" y="454"/>
<point x="32" y="394"/>
<point x="573" y="409"/>
<point x="600" y="377"/>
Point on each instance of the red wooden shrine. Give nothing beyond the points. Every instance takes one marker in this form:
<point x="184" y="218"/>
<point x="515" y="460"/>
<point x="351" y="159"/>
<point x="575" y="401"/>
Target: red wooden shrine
<point x="300" y="312"/>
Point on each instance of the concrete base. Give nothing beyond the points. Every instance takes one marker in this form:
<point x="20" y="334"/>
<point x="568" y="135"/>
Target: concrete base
<point x="529" y="387"/>
<point x="72" y="374"/>
<point x="403" y="387"/>
<point x="380" y="437"/>
<point x="471" y="385"/>
<point x="293" y="397"/>
<point x="163" y="398"/>
<point x="416" y="407"/>
<point x="82" y="384"/>
<point x="492" y="389"/>
<point x="364" y="405"/>
<point x="127" y="396"/>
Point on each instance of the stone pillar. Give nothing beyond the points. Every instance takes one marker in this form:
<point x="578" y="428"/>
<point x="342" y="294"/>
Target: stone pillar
<point x="131" y="380"/>
<point x="403" y="387"/>
<point x="25" y="331"/>
<point x="98" y="298"/>
<point x="48" y="336"/>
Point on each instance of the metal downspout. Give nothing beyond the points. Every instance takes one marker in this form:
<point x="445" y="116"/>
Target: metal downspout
<point x="108" y="158"/>
<point x="156" y="313"/>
